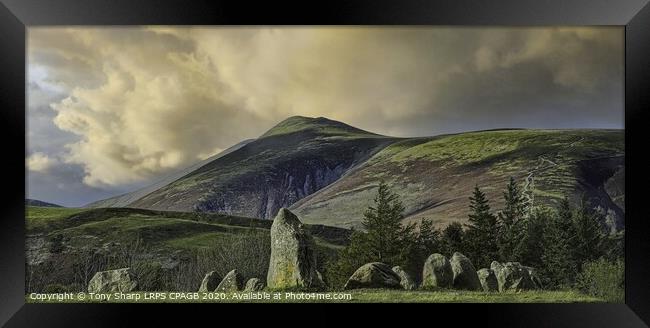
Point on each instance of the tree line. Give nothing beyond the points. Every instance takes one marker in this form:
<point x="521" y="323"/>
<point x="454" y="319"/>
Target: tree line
<point x="560" y="242"/>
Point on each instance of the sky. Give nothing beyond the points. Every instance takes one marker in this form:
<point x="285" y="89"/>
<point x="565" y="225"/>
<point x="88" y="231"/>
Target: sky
<point x="112" y="109"/>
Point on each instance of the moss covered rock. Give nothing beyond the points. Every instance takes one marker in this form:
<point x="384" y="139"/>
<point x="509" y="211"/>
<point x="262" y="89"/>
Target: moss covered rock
<point x="437" y="272"/>
<point x="405" y="278"/>
<point x="373" y="275"/>
<point x="293" y="261"/>
<point x="254" y="285"/>
<point x="120" y="280"/>
<point x="210" y="282"/>
<point x="465" y="276"/>
<point x="232" y="282"/>
<point x="488" y="280"/>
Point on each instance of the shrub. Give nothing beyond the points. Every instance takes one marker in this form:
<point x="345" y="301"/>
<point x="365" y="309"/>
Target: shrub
<point x="604" y="279"/>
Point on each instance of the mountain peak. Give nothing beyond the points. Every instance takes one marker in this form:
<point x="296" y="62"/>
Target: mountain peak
<point x="320" y="125"/>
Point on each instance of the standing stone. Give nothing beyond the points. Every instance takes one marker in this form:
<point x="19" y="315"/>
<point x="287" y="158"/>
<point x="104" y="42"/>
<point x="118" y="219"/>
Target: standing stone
<point x="210" y="282"/>
<point x="120" y="280"/>
<point x="437" y="272"/>
<point x="512" y="276"/>
<point x="254" y="285"/>
<point x="293" y="262"/>
<point x="373" y="275"/>
<point x="488" y="280"/>
<point x="405" y="279"/>
<point x="232" y="282"/>
<point x="465" y="276"/>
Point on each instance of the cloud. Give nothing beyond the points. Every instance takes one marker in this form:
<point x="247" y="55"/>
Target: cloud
<point x="137" y="103"/>
<point x="39" y="162"/>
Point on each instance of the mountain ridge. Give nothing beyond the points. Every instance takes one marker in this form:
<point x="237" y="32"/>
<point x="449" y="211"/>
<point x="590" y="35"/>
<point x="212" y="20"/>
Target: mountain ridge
<point x="326" y="171"/>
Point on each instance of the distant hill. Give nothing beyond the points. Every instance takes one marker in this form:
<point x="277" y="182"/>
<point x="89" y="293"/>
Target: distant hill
<point x="327" y="173"/>
<point x="40" y="203"/>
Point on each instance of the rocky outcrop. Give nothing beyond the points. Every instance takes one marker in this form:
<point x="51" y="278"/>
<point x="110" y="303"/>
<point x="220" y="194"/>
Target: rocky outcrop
<point x="465" y="276"/>
<point x="210" y="282"/>
<point x="293" y="262"/>
<point x="405" y="279"/>
<point x="232" y="282"/>
<point x="437" y="272"/>
<point x="512" y="276"/>
<point x="254" y="285"/>
<point x="488" y="280"/>
<point x="373" y="275"/>
<point x="534" y="276"/>
<point x="120" y="280"/>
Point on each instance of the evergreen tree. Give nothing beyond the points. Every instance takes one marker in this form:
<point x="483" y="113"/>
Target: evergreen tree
<point x="530" y="247"/>
<point x="482" y="231"/>
<point x="558" y="265"/>
<point x="589" y="235"/>
<point x="452" y="239"/>
<point x="385" y="240"/>
<point x="510" y="222"/>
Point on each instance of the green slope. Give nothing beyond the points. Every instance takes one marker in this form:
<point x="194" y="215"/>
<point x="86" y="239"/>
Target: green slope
<point x="435" y="176"/>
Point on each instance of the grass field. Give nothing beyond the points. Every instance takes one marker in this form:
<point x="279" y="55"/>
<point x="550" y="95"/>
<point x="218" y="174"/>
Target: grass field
<point x="355" y="296"/>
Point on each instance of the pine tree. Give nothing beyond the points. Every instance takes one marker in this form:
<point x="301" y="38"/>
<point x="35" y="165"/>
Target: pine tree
<point x="452" y="239"/>
<point x="530" y="247"/>
<point x="482" y="231"/>
<point x="589" y="235"/>
<point x="385" y="240"/>
<point x="510" y="222"/>
<point x="558" y="265"/>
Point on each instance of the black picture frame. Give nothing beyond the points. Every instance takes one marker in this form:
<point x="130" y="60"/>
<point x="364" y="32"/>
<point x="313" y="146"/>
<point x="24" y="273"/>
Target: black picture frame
<point x="17" y="15"/>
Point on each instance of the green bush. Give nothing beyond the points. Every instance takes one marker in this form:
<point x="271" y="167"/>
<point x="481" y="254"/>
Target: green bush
<point x="604" y="279"/>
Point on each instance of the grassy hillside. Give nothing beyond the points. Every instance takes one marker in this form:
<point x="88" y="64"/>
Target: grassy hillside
<point x="435" y="176"/>
<point x="65" y="246"/>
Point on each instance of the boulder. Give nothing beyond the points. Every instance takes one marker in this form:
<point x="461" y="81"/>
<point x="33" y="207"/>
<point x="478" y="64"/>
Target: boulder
<point x="210" y="282"/>
<point x="373" y="275"/>
<point x="465" y="276"/>
<point x="293" y="262"/>
<point x="534" y="276"/>
<point x="254" y="285"/>
<point x="437" y="272"/>
<point x="512" y="276"/>
<point x="488" y="280"/>
<point x="120" y="280"/>
<point x="232" y="282"/>
<point x="405" y="279"/>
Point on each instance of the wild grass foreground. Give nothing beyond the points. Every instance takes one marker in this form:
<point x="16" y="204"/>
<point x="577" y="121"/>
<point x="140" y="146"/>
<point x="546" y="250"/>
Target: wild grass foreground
<point x="354" y="296"/>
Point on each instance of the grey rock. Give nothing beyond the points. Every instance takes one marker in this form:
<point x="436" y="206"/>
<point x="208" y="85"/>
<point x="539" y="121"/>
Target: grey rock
<point x="488" y="280"/>
<point x="293" y="262"/>
<point x="534" y="276"/>
<point x="210" y="282"/>
<point x="254" y="285"/>
<point x="512" y="276"/>
<point x="405" y="279"/>
<point x="232" y="282"/>
<point x="465" y="276"/>
<point x="373" y="275"/>
<point x="437" y="272"/>
<point x="120" y="280"/>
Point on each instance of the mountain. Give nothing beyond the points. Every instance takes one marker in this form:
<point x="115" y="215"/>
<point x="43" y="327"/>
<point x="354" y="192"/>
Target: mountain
<point x="39" y="203"/>
<point x="327" y="172"/>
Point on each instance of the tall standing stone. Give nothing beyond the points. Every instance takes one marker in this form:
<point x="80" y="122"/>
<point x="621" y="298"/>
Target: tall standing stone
<point x="437" y="272"/>
<point x="465" y="276"/>
<point x="293" y="262"/>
